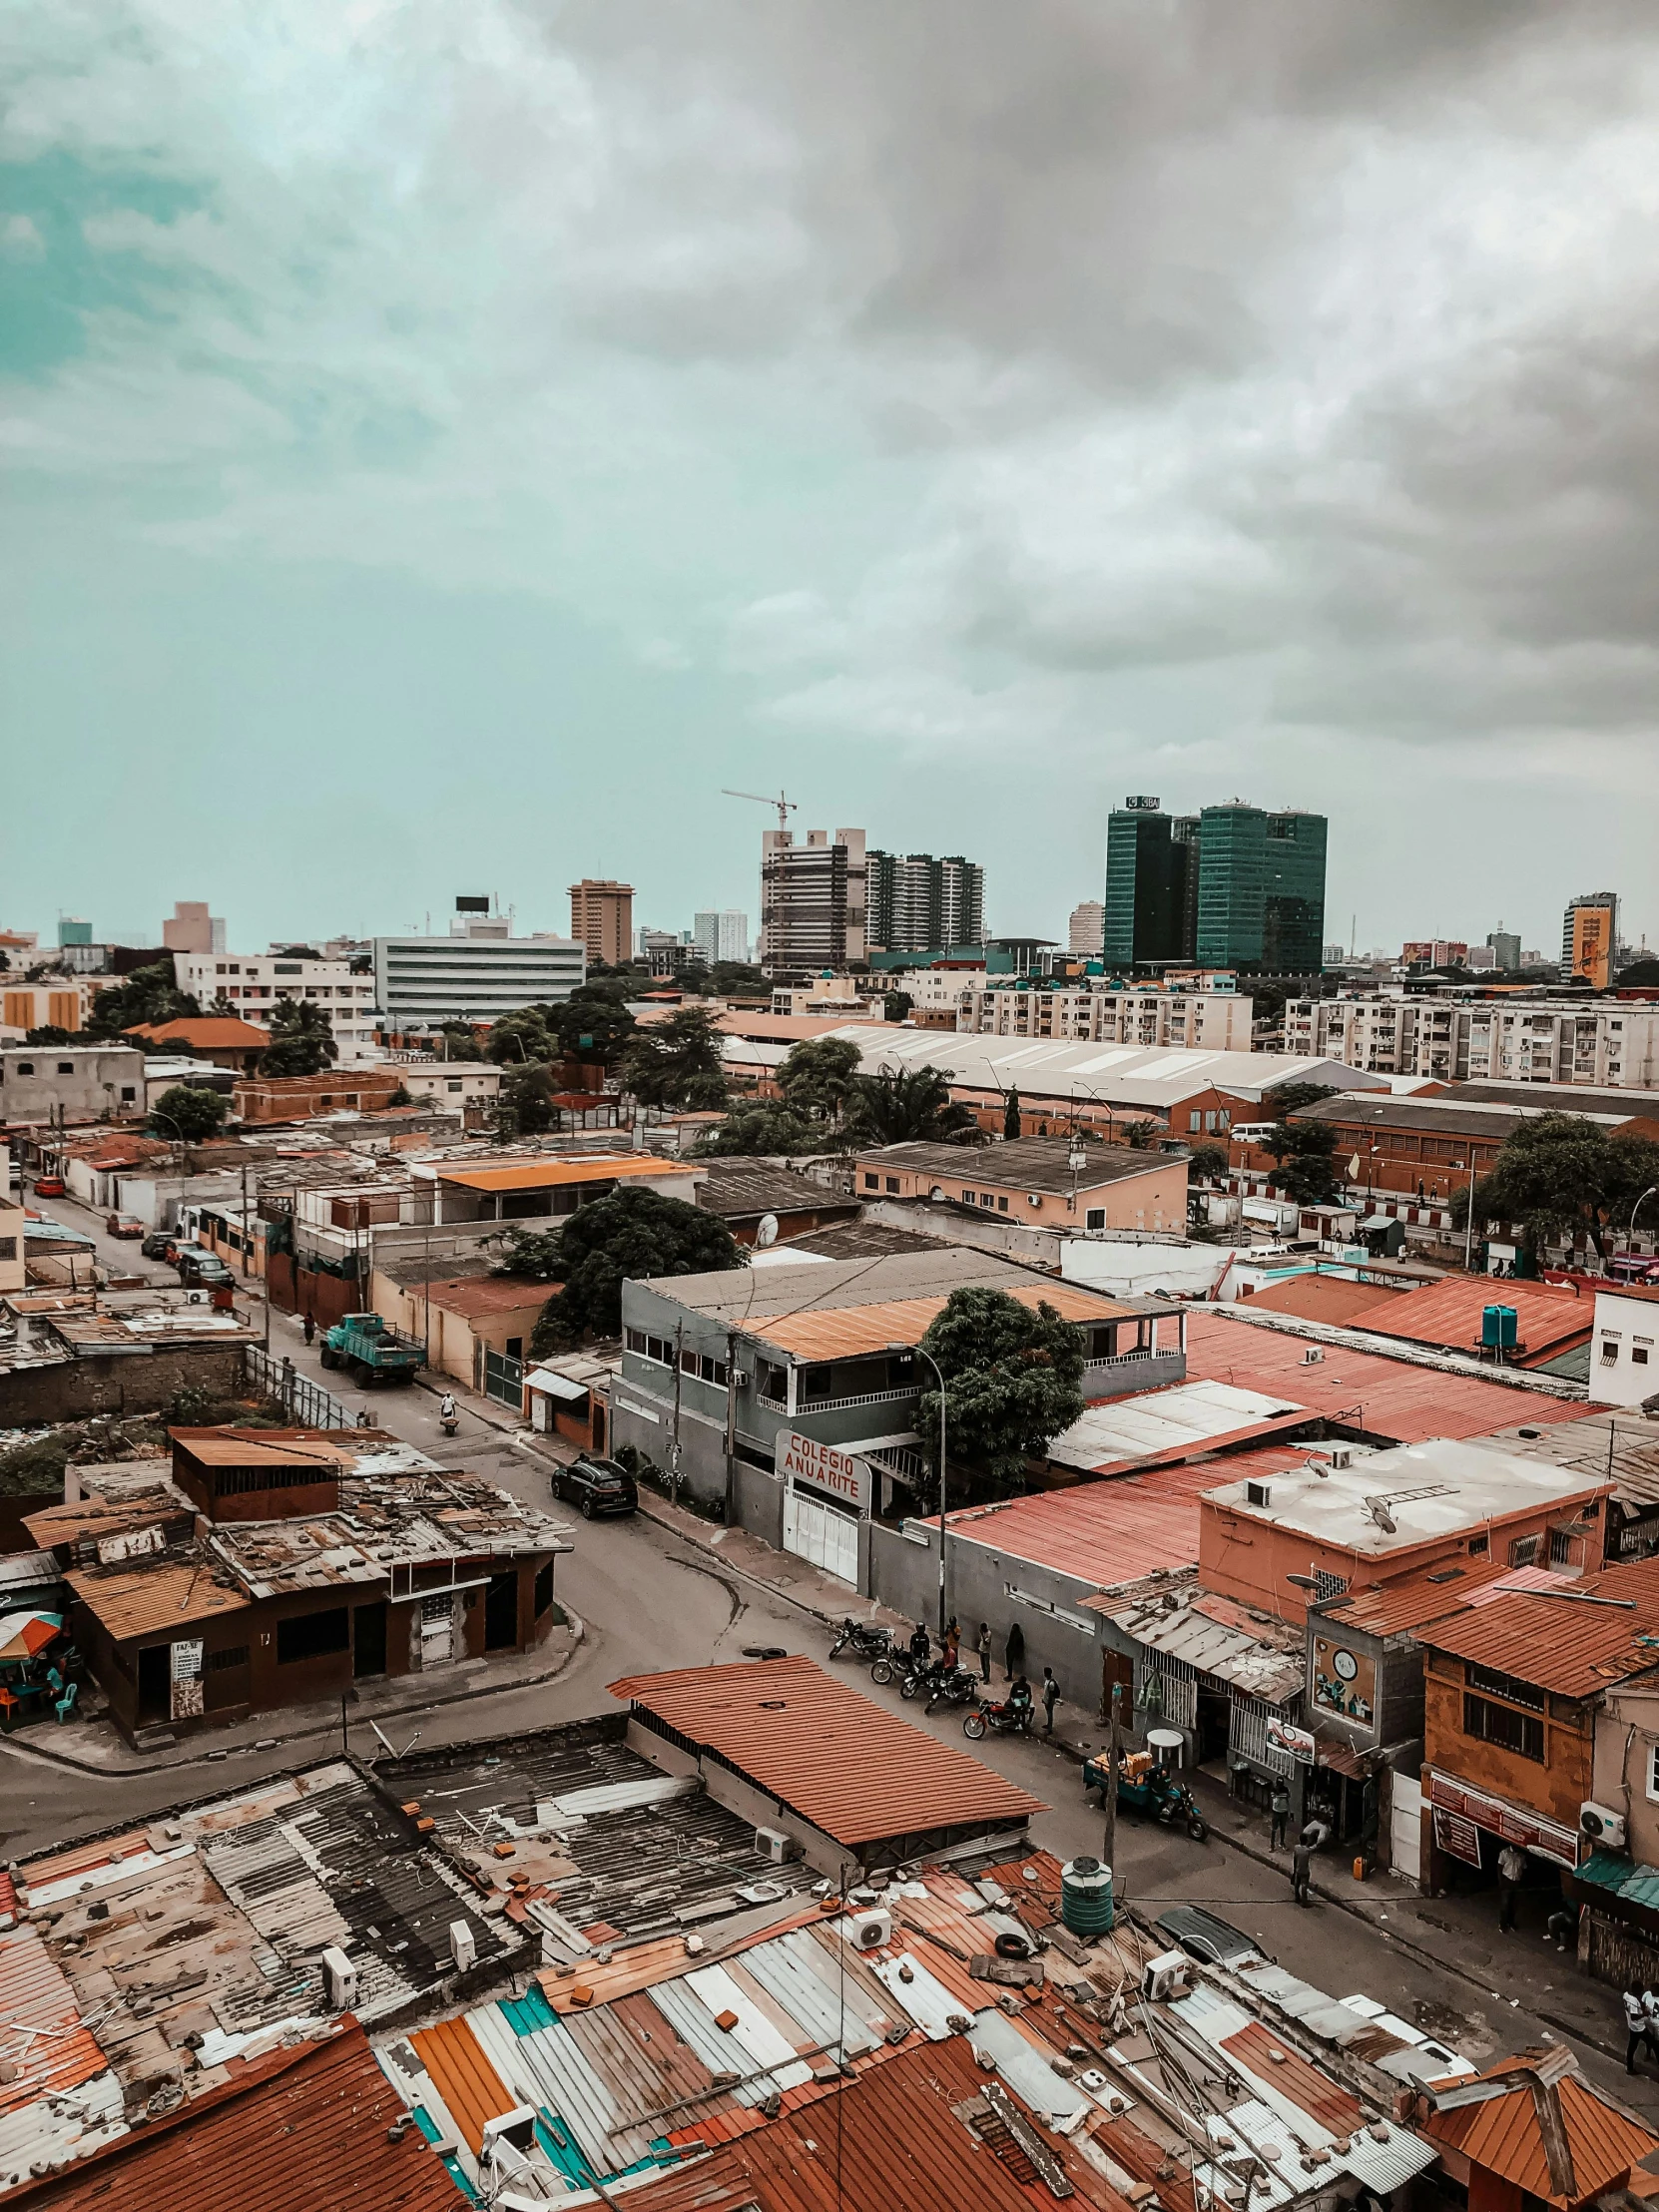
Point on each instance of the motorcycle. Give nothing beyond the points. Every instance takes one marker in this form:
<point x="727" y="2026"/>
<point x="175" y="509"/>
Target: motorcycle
<point x="1002" y="1719"/>
<point x="1145" y="1787"/>
<point x="903" y="1666"/>
<point x="952" y="1686"/>
<point x="861" y="1639"/>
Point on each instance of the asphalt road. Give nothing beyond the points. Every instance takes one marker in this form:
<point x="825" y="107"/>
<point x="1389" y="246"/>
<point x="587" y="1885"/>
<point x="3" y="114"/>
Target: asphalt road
<point x="649" y="1599"/>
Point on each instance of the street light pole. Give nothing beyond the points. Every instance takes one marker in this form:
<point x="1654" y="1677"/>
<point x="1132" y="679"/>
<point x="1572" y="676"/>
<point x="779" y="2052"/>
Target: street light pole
<point x="1469" y="1223"/>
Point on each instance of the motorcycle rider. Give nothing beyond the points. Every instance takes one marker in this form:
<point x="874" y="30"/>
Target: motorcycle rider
<point x="922" y="1644"/>
<point x="1019" y="1699"/>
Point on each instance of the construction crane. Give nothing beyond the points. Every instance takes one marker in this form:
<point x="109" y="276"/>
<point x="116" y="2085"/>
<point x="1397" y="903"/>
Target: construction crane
<point x="785" y="807"/>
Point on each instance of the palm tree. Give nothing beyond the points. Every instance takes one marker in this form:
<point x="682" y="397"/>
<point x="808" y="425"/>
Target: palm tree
<point x="906" y="1106"/>
<point x="301" y="1039"/>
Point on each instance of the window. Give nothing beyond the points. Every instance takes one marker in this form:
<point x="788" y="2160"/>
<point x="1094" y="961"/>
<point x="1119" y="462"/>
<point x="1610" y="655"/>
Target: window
<point x="25" y="1067"/>
<point x="313" y="1635"/>
<point x="636" y="1340"/>
<point x="1504" y="1685"/>
<point x="234" y="1655"/>
<point x="687" y="1363"/>
<point x="987" y="1198"/>
<point x="127" y="1094"/>
<point x="437" y="1609"/>
<point x="1638" y="1355"/>
<point x="873" y="1181"/>
<point x="771" y="1380"/>
<point x="1563" y="1548"/>
<point x="1002" y="1205"/>
<point x="1520" y="1732"/>
<point x="892" y="1183"/>
<point x="8" y="1248"/>
<point x="1653" y="1772"/>
<point x="1523" y="1552"/>
<point x="970" y="1198"/>
<point x="1328" y="1586"/>
<point x="1480" y="1546"/>
<point x="453" y="1085"/>
<point x="66" y="1067"/>
<point x="714" y="1371"/>
<point x="1095" y="1218"/>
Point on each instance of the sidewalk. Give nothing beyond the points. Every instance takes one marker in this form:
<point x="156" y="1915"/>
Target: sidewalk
<point x="97" y="1746"/>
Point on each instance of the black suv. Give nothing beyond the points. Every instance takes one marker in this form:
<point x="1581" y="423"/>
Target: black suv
<point x="597" y="1486"/>
<point x="154" y="1245"/>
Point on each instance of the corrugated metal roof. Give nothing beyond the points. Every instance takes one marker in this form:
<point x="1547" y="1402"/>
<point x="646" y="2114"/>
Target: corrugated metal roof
<point x="1171" y="1423"/>
<point x="1327" y="1297"/>
<point x="1397" y="1399"/>
<point x="468" y="2084"/>
<point x="847" y="1332"/>
<point x="1562" y="1640"/>
<point x="142" y="1600"/>
<point x="853" y="1770"/>
<point x="1265" y="1659"/>
<point x="549" y="1175"/>
<point x="1448" y="1314"/>
<point x="1271" y="2059"/>
<point x="41" y="2036"/>
<point x="1431" y="1594"/>
<point x="303" y="2130"/>
<point x="1104" y="1534"/>
<point x="1502" y="2133"/>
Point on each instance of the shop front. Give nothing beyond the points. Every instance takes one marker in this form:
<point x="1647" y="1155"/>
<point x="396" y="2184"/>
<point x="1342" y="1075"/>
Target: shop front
<point x="1468" y="1828"/>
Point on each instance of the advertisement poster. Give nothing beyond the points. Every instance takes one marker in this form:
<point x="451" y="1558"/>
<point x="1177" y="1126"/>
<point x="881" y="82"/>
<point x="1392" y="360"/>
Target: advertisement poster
<point x="1344" y="1681"/>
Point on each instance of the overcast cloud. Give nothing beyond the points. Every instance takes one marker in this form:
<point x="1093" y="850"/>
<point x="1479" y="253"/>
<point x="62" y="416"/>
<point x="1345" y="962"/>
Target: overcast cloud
<point x="449" y="444"/>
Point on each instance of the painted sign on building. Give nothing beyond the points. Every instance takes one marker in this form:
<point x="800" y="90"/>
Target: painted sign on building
<point x="1344" y="1681"/>
<point x="818" y="1466"/>
<point x="1287" y="1745"/>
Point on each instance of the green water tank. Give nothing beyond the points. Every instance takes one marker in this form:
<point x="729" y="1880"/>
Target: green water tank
<point x="1086" y="1897"/>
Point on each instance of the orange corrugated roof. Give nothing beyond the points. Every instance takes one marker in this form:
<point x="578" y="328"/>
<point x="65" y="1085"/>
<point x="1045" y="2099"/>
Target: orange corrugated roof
<point x="1431" y="1594"/>
<point x="1448" y="1313"/>
<point x="204" y="1031"/>
<point x="847" y="1332"/>
<point x="302" y="2130"/>
<point x="463" y="2077"/>
<point x="1107" y="1532"/>
<point x="854" y="1771"/>
<point x="1327" y="1297"/>
<point x="552" y="1175"/>
<point x="475" y="1296"/>
<point x="41" y="2036"/>
<point x="145" y="1599"/>
<point x="1503" y="2134"/>
<point x="1563" y="1643"/>
<point x="1271" y="2058"/>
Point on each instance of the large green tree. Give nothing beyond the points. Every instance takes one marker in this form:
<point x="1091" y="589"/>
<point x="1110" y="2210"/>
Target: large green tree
<point x="457" y="1041"/>
<point x="532" y="1255"/>
<point x="301" y="1039"/>
<point x="1560" y="1173"/>
<point x="592" y="1024"/>
<point x="149" y="995"/>
<point x="629" y="1237"/>
<point x="814" y="1081"/>
<point x="906" y="1106"/>
<point x="1305" y="1152"/>
<point x="188" y="1114"/>
<point x="517" y="1039"/>
<point x="675" y="1063"/>
<point x="524" y="1106"/>
<point x="763" y="1128"/>
<point x="1013" y="1377"/>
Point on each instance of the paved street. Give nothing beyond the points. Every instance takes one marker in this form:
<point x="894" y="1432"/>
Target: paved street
<point x="649" y="1598"/>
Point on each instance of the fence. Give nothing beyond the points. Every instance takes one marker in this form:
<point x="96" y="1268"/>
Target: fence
<point x="308" y="1403"/>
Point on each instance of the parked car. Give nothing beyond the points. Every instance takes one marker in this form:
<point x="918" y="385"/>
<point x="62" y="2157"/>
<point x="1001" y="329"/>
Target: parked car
<point x="597" y="1486"/>
<point x="51" y="1186"/>
<point x="124" y="1225"/>
<point x="202" y="1270"/>
<point x="1217" y="1941"/>
<point x="157" y="1245"/>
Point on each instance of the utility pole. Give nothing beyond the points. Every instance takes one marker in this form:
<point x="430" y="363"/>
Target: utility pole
<point x="731" y="1426"/>
<point x="674" y="1444"/>
<point x="1109" y="1841"/>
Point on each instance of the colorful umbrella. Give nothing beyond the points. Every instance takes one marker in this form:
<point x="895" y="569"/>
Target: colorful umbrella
<point x="26" y="1635"/>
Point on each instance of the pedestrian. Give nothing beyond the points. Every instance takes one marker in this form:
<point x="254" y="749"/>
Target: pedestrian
<point x="1650" y="2006"/>
<point x="1635" y="2022"/>
<point x="1051" y="1698"/>
<point x="1562" y="1928"/>
<point x="1013" y="1656"/>
<point x="982" y="1645"/>
<point x="310" y="1327"/>
<point x="1511" y="1873"/>
<point x="1302" y="1870"/>
<point x="952" y="1644"/>
<point x="1280" y="1810"/>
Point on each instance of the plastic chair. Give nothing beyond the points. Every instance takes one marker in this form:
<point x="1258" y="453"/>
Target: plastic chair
<point x="66" y="1704"/>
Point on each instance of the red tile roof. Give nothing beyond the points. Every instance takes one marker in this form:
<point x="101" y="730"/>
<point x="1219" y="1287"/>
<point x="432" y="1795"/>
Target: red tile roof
<point x="1447" y="1314"/>
<point x="1396" y="1397"/>
<point x="303" y="2130"/>
<point x="1504" y="2134"/>
<point x="853" y="1770"/>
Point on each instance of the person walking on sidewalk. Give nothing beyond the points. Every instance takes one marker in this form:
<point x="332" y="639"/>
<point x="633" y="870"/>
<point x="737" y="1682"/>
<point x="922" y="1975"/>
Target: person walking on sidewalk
<point x="952" y="1643"/>
<point x="1636" y="2029"/>
<point x="1013" y="1656"/>
<point x="310" y="1327"/>
<point x="1280" y="1810"/>
<point x="1650" y="2006"/>
<point x="982" y="1645"/>
<point x="1511" y="1873"/>
<point x="1051" y="1698"/>
<point x="1302" y="1869"/>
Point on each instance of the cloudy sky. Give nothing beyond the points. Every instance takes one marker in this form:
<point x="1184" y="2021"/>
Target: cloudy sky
<point x="447" y="444"/>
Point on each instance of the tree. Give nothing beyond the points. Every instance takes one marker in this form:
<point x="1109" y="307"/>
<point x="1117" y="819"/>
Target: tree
<point x="897" y="1005"/>
<point x="1639" y="976"/>
<point x="401" y="1097"/>
<point x="1014" y="1381"/>
<point x="1560" y="1173"/>
<point x="764" y="1128"/>
<point x="1305" y="1152"/>
<point x="188" y="1114"/>
<point x="592" y="1024"/>
<point x="150" y="994"/>
<point x="675" y="1063"/>
<point x="457" y="1041"/>
<point x="49" y="1033"/>
<point x="1010" y="1117"/>
<point x="520" y="1038"/>
<point x="299" y="953"/>
<point x="1140" y="1136"/>
<point x="524" y="1106"/>
<point x="814" y="1081"/>
<point x="1206" y="1163"/>
<point x="632" y="1236"/>
<point x="301" y="1039"/>
<point x="531" y="1255"/>
<point x="908" y="1106"/>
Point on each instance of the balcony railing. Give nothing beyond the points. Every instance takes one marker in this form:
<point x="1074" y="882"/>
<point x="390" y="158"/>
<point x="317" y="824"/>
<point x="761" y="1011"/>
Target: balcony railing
<point x="834" y="1404"/>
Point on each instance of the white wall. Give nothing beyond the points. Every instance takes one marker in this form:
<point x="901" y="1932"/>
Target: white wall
<point x="1624" y="1351"/>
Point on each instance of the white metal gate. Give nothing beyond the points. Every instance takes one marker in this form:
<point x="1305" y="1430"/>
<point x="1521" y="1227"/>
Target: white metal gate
<point x="1406" y="1827"/>
<point x="438" y="1630"/>
<point x="823" y="1534"/>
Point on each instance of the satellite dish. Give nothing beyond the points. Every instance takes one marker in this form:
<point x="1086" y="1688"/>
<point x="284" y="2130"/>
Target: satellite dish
<point x="767" y="1234"/>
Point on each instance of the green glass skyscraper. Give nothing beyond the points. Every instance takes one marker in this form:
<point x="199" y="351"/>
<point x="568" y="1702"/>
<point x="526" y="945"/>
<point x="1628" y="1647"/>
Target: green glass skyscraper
<point x="1148" y="868"/>
<point x="1233" y="888"/>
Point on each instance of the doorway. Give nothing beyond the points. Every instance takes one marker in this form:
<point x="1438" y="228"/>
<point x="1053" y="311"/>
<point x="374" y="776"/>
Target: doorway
<point x="155" y="1683"/>
<point x="502" y="1613"/>
<point x="368" y="1640"/>
<point x="1214" y="1721"/>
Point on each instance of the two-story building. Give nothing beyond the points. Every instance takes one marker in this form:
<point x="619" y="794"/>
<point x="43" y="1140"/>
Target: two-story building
<point x="1043" y="1182"/>
<point x="785" y="1394"/>
<point x="1624" y="1353"/>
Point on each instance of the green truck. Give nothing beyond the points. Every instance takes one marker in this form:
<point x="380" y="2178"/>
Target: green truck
<point x="374" y="1353"/>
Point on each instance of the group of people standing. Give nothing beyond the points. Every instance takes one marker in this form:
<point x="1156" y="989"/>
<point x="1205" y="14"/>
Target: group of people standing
<point x="1641" y="2021"/>
<point x="1013" y="1654"/>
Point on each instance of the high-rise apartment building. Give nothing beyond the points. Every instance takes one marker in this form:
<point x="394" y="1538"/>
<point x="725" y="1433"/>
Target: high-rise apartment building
<point x="1086" y="930"/>
<point x="193" y="928"/>
<point x="602" y="920"/>
<point x="721" y="934"/>
<point x="1506" y="945"/>
<point x="813" y="899"/>
<point x="1589" y="938"/>
<point x="919" y="905"/>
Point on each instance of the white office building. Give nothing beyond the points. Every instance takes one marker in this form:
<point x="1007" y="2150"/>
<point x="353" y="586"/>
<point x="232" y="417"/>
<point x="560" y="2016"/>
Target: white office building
<point x="256" y="983"/>
<point x="721" y="934"/>
<point x="477" y="974"/>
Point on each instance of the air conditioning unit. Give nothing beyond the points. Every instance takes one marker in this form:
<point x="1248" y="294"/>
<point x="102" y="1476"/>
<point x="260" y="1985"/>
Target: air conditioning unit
<point x="1603" y="1824"/>
<point x="1341" y="1455"/>
<point x="463" y="1946"/>
<point x="339" y="1979"/>
<point x="1164" y="1977"/>
<point x="1033" y="1198"/>
<point x="1258" y="1493"/>
<point x="1311" y="1357"/>
<point x="772" y="1844"/>
<point x="517" y="2127"/>
<point x="873" y="1929"/>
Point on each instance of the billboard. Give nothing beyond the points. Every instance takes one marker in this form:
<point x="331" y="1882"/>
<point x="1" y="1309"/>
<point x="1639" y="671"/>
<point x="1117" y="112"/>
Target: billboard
<point x="1344" y="1681"/>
